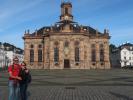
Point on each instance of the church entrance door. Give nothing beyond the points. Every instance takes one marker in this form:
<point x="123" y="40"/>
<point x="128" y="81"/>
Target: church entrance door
<point x="66" y="63"/>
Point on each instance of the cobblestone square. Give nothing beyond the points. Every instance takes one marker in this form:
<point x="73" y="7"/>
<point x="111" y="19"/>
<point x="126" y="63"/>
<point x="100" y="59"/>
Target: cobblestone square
<point x="116" y="84"/>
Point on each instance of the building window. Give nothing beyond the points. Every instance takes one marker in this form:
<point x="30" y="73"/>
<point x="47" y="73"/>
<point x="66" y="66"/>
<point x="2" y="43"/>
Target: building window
<point x="31" y="46"/>
<point x="31" y="55"/>
<point x="101" y="46"/>
<point x="66" y="44"/>
<point x="56" y="55"/>
<point x="129" y="58"/>
<point x="93" y="46"/>
<point x="93" y="55"/>
<point x="125" y="58"/>
<point x="39" y="55"/>
<point x="125" y="52"/>
<point x="76" y="43"/>
<point x="125" y="63"/>
<point x="77" y="58"/>
<point x="56" y="43"/>
<point x="39" y="46"/>
<point x="77" y="52"/>
<point x="101" y="55"/>
<point x="66" y="10"/>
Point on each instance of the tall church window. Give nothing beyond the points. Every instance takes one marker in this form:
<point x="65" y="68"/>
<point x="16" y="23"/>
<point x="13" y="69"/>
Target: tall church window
<point x="66" y="10"/>
<point x="56" y="52"/>
<point x="77" y="52"/>
<point x="31" y="55"/>
<point x="56" y="55"/>
<point x="39" y="55"/>
<point x="93" y="53"/>
<point x="56" y="43"/>
<point x="66" y="44"/>
<point x="39" y="46"/>
<point x="101" y="55"/>
<point x="76" y="43"/>
<point x="101" y="52"/>
<point x="101" y="46"/>
<point x="31" y="46"/>
<point x="77" y="58"/>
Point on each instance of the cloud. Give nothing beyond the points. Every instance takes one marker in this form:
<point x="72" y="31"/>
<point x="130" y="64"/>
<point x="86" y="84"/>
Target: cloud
<point x="18" y="15"/>
<point x="12" y="10"/>
<point x="13" y="38"/>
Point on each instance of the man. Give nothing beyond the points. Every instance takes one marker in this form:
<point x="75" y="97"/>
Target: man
<point x="14" y="79"/>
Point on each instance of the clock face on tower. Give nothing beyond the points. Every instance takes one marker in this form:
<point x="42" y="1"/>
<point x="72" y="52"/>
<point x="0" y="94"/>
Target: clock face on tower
<point x="66" y="17"/>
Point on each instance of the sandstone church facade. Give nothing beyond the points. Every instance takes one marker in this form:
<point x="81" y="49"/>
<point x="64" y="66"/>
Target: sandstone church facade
<point x="67" y="44"/>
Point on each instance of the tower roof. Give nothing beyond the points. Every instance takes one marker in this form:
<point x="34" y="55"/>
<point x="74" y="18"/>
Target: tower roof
<point x="66" y="3"/>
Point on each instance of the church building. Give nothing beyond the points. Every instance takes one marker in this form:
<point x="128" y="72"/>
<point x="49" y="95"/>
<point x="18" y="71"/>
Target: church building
<point x="67" y="45"/>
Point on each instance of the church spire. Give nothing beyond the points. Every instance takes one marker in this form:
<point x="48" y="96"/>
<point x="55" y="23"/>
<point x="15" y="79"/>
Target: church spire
<point x="62" y="1"/>
<point x="66" y="11"/>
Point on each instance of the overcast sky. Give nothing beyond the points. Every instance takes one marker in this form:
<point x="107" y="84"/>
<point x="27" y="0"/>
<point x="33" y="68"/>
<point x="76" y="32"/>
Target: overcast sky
<point x="18" y="15"/>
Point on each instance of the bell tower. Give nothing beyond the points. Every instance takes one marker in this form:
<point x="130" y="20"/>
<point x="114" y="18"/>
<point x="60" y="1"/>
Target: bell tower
<point x="66" y="11"/>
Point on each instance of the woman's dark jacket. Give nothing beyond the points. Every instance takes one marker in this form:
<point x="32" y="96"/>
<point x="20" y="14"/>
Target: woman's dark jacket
<point x="24" y="76"/>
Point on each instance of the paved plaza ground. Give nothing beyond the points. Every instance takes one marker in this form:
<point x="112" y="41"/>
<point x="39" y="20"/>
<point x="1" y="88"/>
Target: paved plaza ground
<point x="114" y="84"/>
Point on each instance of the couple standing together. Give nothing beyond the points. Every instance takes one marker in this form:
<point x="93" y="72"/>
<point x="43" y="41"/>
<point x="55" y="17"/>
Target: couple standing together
<point x="19" y="77"/>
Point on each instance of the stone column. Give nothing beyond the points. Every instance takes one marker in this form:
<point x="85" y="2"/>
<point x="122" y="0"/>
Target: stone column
<point x="97" y="56"/>
<point x="106" y="56"/>
<point x="46" y="54"/>
<point x="61" y="55"/>
<point x="89" y="55"/>
<point x="82" y="60"/>
<point x="72" y="54"/>
<point x="43" y="54"/>
<point x="51" y="54"/>
<point x="35" y="55"/>
<point x="27" y="53"/>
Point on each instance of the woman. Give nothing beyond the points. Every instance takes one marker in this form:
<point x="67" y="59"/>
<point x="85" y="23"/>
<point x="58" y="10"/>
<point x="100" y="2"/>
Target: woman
<point x="14" y="78"/>
<point x="24" y="72"/>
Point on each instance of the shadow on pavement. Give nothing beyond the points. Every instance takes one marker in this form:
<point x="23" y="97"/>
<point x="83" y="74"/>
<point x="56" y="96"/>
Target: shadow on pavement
<point x="124" y="97"/>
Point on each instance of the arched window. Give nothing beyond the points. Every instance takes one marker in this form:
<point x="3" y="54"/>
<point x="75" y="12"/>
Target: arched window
<point x="93" y="46"/>
<point x="31" y="55"/>
<point x="76" y="43"/>
<point x="66" y="10"/>
<point x="102" y="55"/>
<point x="39" y="55"/>
<point x="56" y="43"/>
<point x="66" y="44"/>
<point x="31" y="46"/>
<point x="77" y="57"/>
<point x="39" y="46"/>
<point x="93" y="53"/>
<point x="101" y="46"/>
<point x="56" y="55"/>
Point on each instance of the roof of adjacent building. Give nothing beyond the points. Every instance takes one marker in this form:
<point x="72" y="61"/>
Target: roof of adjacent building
<point x="9" y="47"/>
<point x="128" y="46"/>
